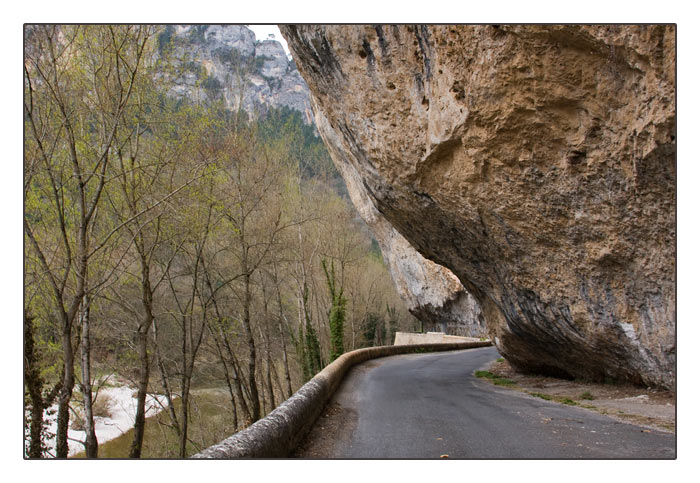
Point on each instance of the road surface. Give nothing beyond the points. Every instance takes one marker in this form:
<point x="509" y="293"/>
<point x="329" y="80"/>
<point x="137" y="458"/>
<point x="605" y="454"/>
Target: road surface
<point x="431" y="406"/>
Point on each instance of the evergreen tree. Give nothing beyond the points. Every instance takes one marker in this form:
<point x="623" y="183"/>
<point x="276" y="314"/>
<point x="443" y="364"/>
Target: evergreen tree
<point x="336" y="315"/>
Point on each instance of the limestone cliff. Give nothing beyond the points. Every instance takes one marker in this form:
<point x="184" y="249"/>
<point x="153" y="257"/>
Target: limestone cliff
<point x="227" y="61"/>
<point x="537" y="163"/>
<point x="431" y="292"/>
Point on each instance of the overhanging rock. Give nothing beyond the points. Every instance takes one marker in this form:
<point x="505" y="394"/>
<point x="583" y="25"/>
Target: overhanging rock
<point x="535" y="163"/>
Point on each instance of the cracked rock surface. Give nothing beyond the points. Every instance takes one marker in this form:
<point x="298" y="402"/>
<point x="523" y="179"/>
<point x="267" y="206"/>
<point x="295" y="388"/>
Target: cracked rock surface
<point x="535" y="163"/>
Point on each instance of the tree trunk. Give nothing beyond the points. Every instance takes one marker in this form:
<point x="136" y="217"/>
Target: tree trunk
<point x="144" y="363"/>
<point x="184" y="415"/>
<point x="273" y="404"/>
<point x="285" y="361"/>
<point x="280" y="318"/>
<point x="252" y="383"/>
<point x="34" y="383"/>
<point x="165" y="383"/>
<point x="66" y="392"/>
<point x="227" y="375"/>
<point x="266" y="338"/>
<point x="185" y="388"/>
<point x="236" y="373"/>
<point x="140" y="417"/>
<point x="91" y="445"/>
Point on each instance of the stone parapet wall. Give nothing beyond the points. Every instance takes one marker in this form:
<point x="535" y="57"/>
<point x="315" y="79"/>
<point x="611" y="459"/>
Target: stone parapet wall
<point x="281" y="431"/>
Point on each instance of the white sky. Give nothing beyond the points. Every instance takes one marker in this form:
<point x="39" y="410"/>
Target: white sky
<point x="262" y="31"/>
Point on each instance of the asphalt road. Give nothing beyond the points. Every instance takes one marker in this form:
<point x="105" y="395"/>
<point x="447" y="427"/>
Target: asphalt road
<point x="431" y="405"/>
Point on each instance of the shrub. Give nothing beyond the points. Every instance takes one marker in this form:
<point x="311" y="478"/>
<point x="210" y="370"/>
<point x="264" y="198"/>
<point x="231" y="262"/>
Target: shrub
<point x="101" y="407"/>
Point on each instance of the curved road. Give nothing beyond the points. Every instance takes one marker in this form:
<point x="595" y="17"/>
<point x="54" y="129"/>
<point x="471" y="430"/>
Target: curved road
<point x="431" y="405"/>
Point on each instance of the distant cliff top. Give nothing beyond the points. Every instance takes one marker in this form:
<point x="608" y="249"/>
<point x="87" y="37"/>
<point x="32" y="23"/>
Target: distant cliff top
<point x="227" y="62"/>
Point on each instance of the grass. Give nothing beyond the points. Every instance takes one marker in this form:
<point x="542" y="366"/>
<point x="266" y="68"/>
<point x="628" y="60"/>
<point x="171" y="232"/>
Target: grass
<point x="559" y="399"/>
<point x="502" y="381"/>
<point x="497" y="380"/>
<point x="587" y="396"/>
<point x="500" y="359"/>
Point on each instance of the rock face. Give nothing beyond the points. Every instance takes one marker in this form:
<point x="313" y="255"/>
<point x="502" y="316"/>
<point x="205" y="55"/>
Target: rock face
<point x="536" y="163"/>
<point x="431" y="292"/>
<point x="226" y="61"/>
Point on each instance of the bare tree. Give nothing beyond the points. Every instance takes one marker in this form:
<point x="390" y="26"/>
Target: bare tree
<point x="78" y="82"/>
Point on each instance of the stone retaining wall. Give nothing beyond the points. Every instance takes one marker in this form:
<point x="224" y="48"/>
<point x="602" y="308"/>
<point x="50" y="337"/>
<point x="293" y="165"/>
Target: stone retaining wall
<point x="281" y="431"/>
<point x="411" y="338"/>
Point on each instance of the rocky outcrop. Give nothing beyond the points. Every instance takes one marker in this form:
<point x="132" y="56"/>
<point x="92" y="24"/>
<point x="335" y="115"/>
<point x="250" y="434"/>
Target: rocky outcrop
<point x="536" y="163"/>
<point x="431" y="292"/>
<point x="227" y="61"/>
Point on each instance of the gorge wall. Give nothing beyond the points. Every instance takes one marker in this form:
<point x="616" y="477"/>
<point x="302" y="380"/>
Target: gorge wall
<point x="432" y="293"/>
<point x="227" y="62"/>
<point x="536" y="163"/>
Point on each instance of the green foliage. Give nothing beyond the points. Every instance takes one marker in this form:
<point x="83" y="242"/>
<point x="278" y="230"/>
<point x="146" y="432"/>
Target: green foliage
<point x="393" y="319"/>
<point x="587" y="396"/>
<point x="336" y="316"/>
<point x="373" y="329"/>
<point x="165" y="38"/>
<point x="546" y="397"/>
<point x="211" y="83"/>
<point x="497" y="380"/>
<point x="375" y="250"/>
<point x="312" y="348"/>
<point x="230" y="56"/>
<point x="305" y="150"/>
<point x="197" y="34"/>
<point x="196" y="68"/>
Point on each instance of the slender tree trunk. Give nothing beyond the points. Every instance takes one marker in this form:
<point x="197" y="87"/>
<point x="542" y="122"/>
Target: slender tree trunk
<point x="237" y="385"/>
<point x="144" y="366"/>
<point x="91" y="445"/>
<point x="165" y="383"/>
<point x="266" y="338"/>
<point x="184" y="415"/>
<point x="185" y="387"/>
<point x="285" y="361"/>
<point x="273" y="404"/>
<point x="34" y="383"/>
<point x="227" y="375"/>
<point x="140" y="417"/>
<point x="252" y="383"/>
<point x="66" y="392"/>
<point x="280" y="318"/>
